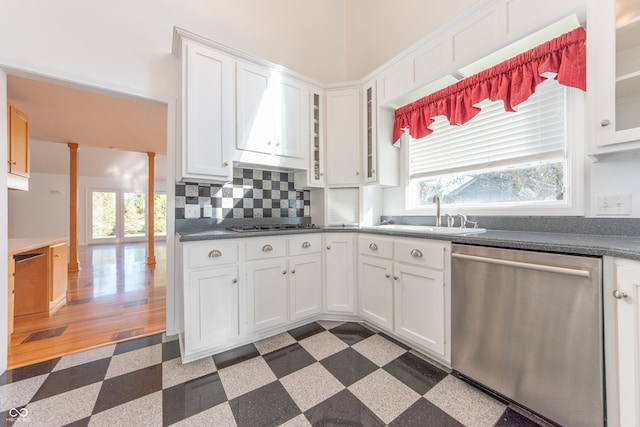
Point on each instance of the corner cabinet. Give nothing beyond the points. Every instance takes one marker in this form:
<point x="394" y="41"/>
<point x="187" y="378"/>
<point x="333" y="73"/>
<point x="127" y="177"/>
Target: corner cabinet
<point x="615" y="105"/>
<point x="339" y="273"/>
<point x="622" y="340"/>
<point x="343" y="137"/>
<point x="208" y="114"/>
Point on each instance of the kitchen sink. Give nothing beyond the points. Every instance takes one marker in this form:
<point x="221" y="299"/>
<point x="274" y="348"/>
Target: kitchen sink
<point x="426" y="229"/>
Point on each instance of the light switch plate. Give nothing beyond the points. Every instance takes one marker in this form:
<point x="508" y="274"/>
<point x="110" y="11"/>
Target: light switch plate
<point x="191" y="211"/>
<point x="613" y="204"/>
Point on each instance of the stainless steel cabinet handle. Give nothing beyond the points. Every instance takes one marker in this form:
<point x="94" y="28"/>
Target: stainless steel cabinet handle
<point x="605" y="122"/>
<point x="234" y="281"/>
<point x="387" y="275"/>
<point x="306" y="245"/>
<point x="215" y="253"/>
<point x="373" y="247"/>
<point x="619" y="295"/>
<point x="267" y="248"/>
<point x="416" y="253"/>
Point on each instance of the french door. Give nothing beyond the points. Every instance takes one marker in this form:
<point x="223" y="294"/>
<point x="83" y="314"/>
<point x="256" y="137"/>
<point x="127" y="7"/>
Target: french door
<point x="121" y="216"/>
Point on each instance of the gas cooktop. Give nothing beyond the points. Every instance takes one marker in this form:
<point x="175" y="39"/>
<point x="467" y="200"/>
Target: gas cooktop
<point x="272" y="227"/>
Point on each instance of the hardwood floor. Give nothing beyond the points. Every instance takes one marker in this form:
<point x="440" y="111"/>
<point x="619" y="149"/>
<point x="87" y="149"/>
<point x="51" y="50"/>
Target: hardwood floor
<point x="114" y="297"/>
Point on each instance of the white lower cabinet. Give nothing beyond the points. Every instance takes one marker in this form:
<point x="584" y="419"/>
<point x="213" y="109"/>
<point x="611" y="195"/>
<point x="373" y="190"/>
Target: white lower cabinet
<point x="403" y="289"/>
<point x="305" y="286"/>
<point x="339" y="273"/>
<point x="622" y="341"/>
<point x="266" y="293"/>
<point x="211" y="295"/>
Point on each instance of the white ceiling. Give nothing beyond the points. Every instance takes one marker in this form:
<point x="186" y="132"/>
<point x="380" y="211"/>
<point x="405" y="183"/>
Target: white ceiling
<point x="63" y="113"/>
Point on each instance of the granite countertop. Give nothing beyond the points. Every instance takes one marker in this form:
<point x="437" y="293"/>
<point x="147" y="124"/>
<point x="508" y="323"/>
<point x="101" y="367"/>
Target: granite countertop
<point x="566" y="243"/>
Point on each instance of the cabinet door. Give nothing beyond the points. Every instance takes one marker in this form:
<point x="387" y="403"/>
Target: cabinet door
<point x="376" y="291"/>
<point x="343" y="137"/>
<point x="266" y="293"/>
<point x="208" y="114"/>
<point x="628" y="307"/>
<point x="256" y="113"/>
<point x="12" y="291"/>
<point x="211" y="307"/>
<point x="18" y="148"/>
<point x="292" y="126"/>
<point x="305" y="286"/>
<point x="420" y="306"/>
<point x="339" y="273"/>
<point x="370" y="133"/>
<point x="59" y="269"/>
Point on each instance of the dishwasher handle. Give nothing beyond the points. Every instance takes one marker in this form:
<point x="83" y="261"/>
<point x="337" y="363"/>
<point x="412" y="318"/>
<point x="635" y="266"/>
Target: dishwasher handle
<point x="527" y="265"/>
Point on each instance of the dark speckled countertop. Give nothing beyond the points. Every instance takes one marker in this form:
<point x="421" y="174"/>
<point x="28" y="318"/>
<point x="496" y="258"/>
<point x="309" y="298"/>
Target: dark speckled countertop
<point x="566" y="243"/>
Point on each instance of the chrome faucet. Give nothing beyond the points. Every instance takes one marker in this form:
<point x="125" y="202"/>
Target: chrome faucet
<point x="463" y="220"/>
<point x="436" y="200"/>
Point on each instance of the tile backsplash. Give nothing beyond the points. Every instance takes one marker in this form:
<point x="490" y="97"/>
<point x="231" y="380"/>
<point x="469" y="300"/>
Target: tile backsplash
<point x="253" y="193"/>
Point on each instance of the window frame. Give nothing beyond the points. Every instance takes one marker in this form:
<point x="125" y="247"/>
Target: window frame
<point x="575" y="164"/>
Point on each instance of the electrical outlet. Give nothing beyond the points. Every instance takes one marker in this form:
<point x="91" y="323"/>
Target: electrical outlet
<point x="207" y="211"/>
<point x="613" y="204"/>
<point x="191" y="211"/>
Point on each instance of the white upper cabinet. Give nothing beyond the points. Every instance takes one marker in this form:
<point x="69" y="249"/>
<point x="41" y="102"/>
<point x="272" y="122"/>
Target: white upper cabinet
<point x="273" y="118"/>
<point x="343" y="136"/>
<point x="615" y="103"/>
<point x="208" y="104"/>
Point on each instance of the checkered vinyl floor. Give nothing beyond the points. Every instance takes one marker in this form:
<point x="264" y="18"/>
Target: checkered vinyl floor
<point x="321" y="374"/>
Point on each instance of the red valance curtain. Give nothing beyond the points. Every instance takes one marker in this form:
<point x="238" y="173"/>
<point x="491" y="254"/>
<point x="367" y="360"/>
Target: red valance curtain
<point x="512" y="81"/>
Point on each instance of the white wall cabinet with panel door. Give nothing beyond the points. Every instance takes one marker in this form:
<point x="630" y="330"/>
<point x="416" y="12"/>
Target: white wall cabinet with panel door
<point x="614" y="75"/>
<point x="622" y="338"/>
<point x="343" y="136"/>
<point x="211" y="297"/>
<point x="339" y="262"/>
<point x="208" y="120"/>
<point x="273" y="119"/>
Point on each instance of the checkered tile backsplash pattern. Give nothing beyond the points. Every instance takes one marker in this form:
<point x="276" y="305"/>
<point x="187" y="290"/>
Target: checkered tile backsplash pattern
<point x="252" y="194"/>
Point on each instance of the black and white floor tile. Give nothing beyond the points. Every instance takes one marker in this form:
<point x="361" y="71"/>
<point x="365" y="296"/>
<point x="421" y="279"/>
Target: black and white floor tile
<point x="321" y="374"/>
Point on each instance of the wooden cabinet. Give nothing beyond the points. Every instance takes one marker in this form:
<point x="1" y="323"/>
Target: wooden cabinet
<point x="343" y="137"/>
<point x="211" y="293"/>
<point x="11" y="293"/>
<point x="402" y="289"/>
<point x="615" y="104"/>
<point x="622" y="341"/>
<point x="17" y="148"/>
<point x="208" y="114"/>
<point x="273" y="120"/>
<point x="59" y="258"/>
<point x="339" y="273"/>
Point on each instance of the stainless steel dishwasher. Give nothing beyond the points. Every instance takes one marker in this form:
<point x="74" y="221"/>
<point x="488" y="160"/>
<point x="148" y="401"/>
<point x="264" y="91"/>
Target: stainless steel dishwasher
<point x="528" y="326"/>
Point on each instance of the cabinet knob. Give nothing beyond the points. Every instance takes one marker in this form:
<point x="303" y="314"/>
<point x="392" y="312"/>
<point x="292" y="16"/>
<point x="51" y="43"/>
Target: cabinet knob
<point x="619" y="295"/>
<point x="234" y="281"/>
<point x="267" y="248"/>
<point x="225" y="164"/>
<point x="605" y="122"/>
<point x="57" y="255"/>
<point x="387" y="275"/>
<point x="306" y="245"/>
<point x="293" y="272"/>
<point x="268" y="142"/>
<point x="215" y="253"/>
<point x="284" y="272"/>
<point x="12" y="163"/>
<point x="373" y="246"/>
<point x="328" y="247"/>
<point x="357" y="173"/>
<point x="395" y="277"/>
<point x="416" y="253"/>
<point x="277" y="144"/>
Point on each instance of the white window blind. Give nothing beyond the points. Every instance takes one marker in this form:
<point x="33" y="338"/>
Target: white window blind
<point x="494" y="137"/>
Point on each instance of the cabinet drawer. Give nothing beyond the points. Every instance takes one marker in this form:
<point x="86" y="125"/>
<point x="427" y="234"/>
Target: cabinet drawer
<point x="377" y="246"/>
<point x="267" y="247"/>
<point x="420" y="252"/>
<point x="305" y="245"/>
<point x="210" y="254"/>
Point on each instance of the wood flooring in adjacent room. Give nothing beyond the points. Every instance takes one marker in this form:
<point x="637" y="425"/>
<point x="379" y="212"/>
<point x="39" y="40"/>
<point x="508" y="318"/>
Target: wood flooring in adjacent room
<point x="114" y="297"/>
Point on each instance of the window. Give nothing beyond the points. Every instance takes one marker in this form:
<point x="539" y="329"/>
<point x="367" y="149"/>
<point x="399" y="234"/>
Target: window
<point x="501" y="160"/>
